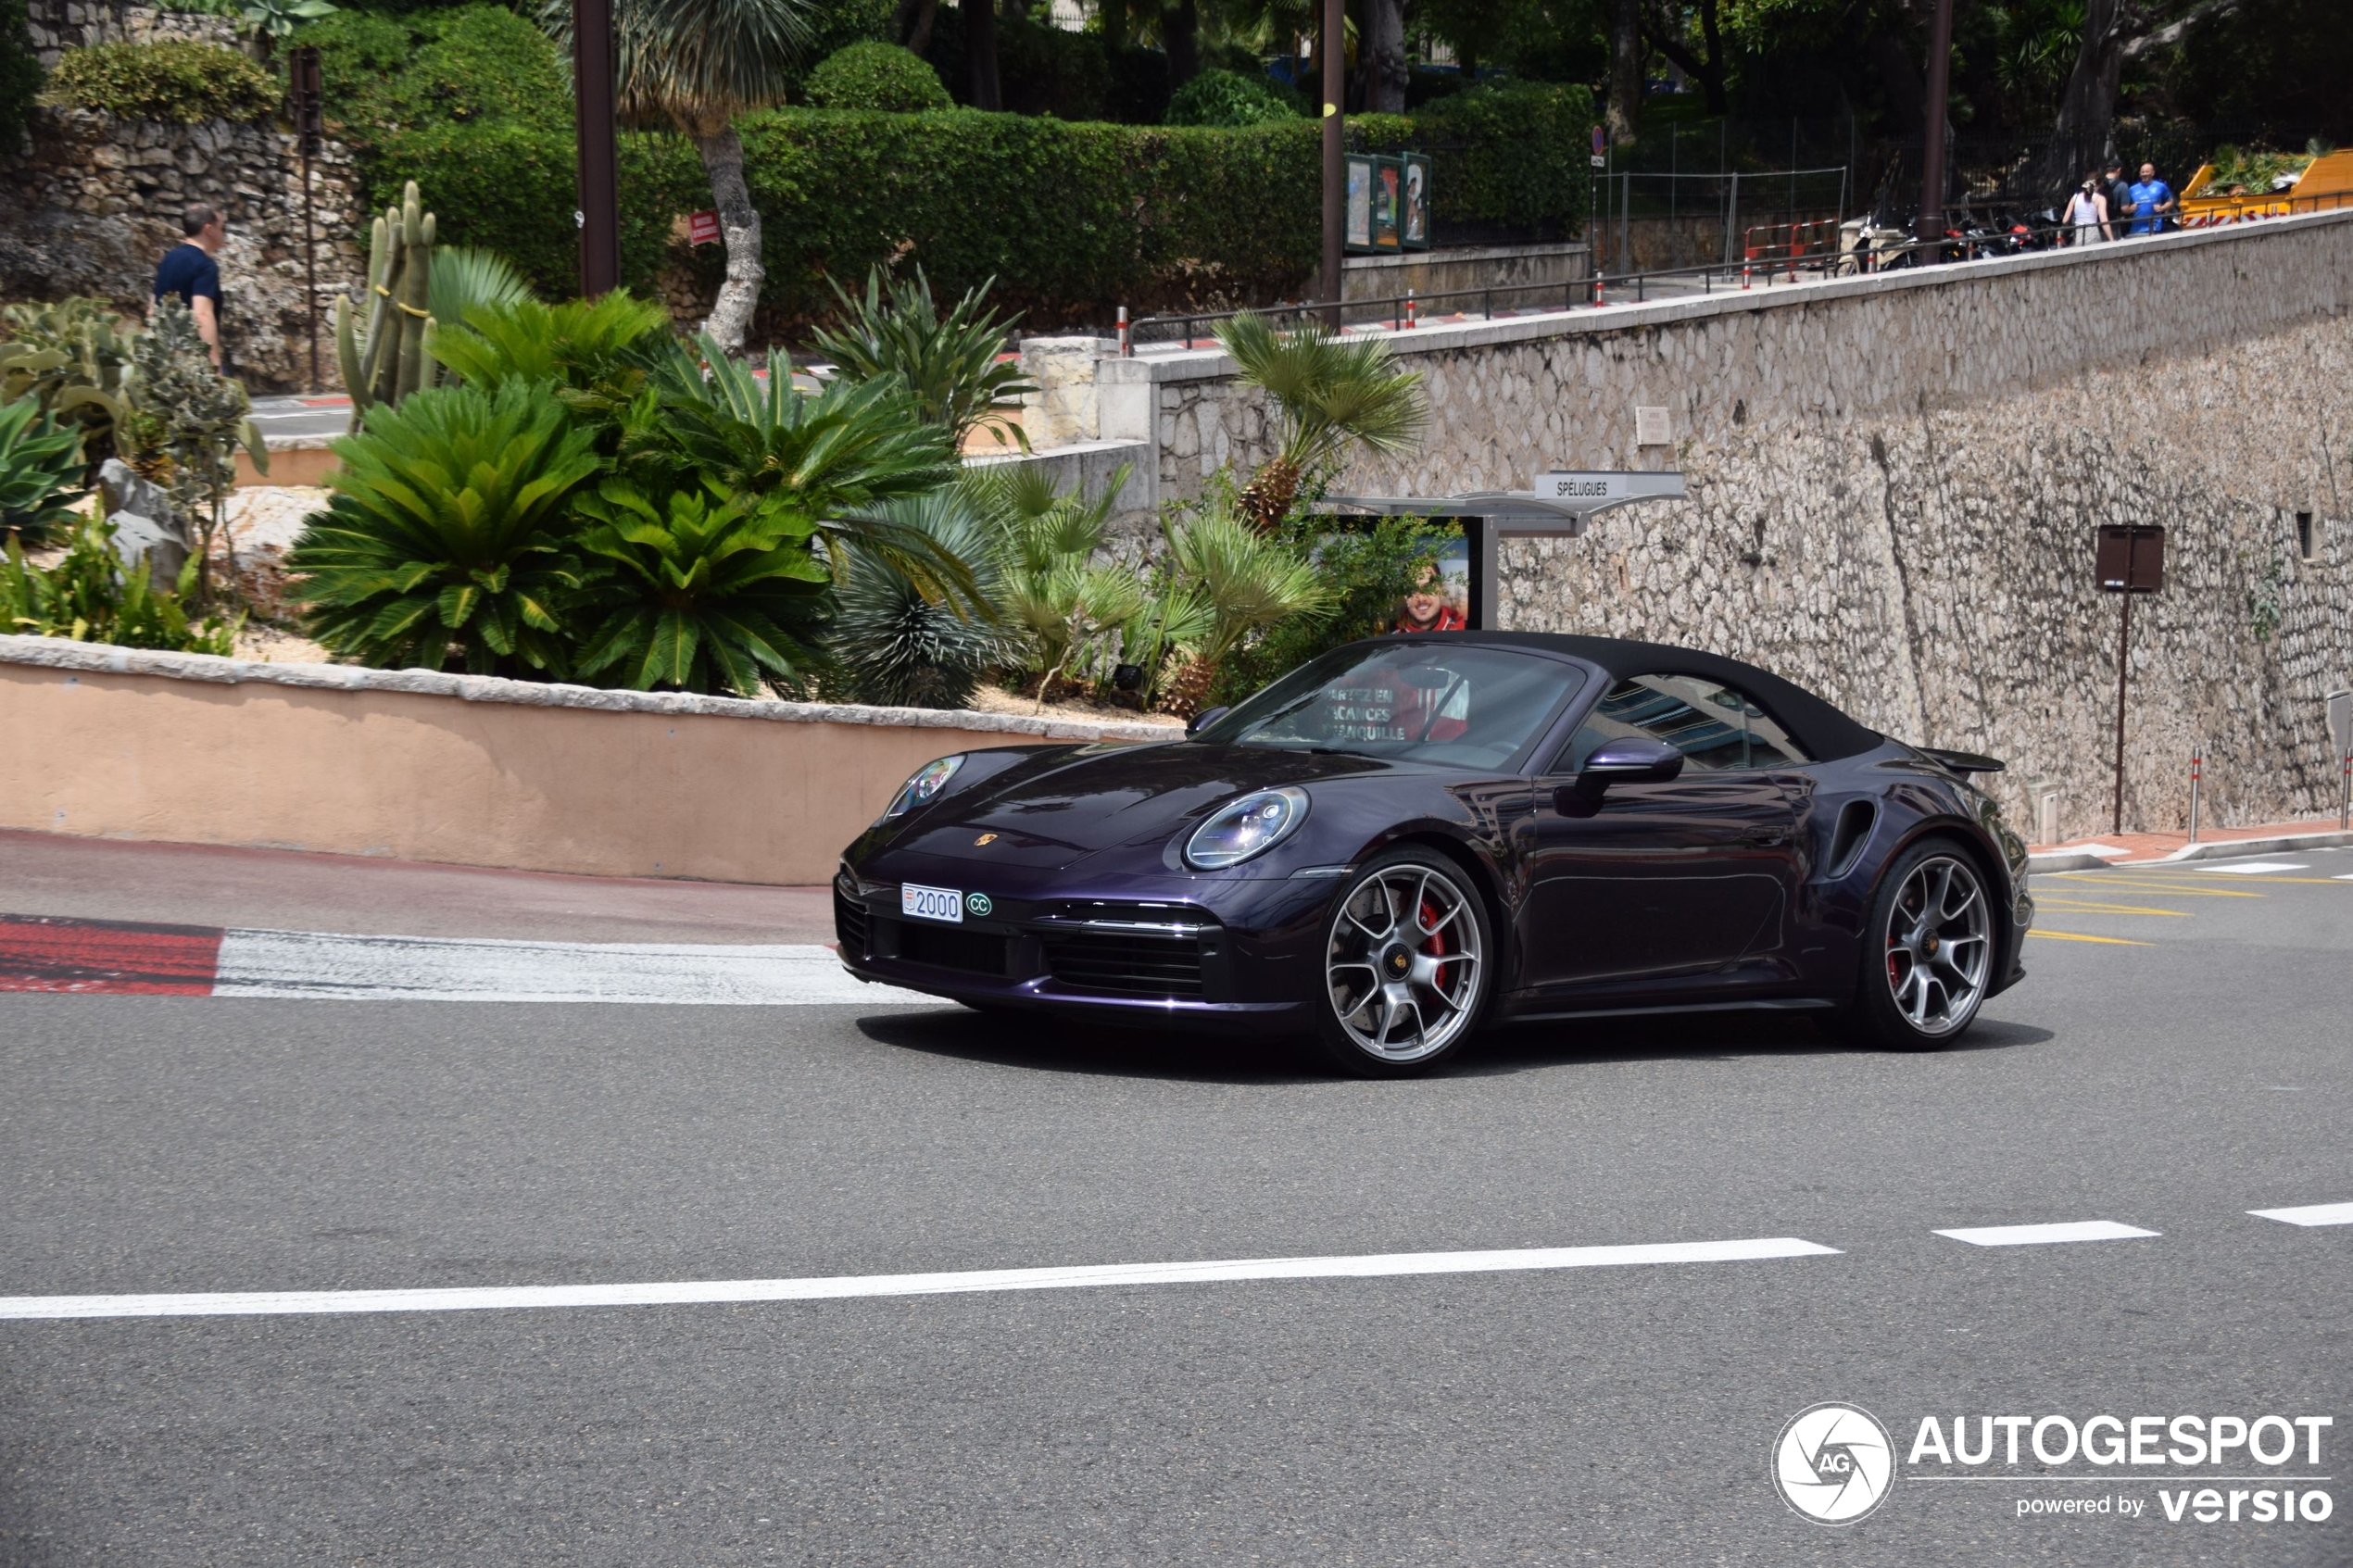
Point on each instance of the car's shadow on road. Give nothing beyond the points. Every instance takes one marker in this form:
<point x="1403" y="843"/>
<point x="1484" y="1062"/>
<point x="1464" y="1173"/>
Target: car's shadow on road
<point x="1050" y="1044"/>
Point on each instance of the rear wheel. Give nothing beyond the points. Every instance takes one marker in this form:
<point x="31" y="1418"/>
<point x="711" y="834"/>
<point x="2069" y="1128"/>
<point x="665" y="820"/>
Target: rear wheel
<point x="1405" y="966"/>
<point x="1928" y="951"/>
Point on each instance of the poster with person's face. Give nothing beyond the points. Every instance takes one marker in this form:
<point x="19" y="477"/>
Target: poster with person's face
<point x="1415" y="226"/>
<point x="1440" y="600"/>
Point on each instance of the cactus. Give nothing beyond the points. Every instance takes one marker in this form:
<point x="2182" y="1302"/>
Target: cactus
<point x="395" y="360"/>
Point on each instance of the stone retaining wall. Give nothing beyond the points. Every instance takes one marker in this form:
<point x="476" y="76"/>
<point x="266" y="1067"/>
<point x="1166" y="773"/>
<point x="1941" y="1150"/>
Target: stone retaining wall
<point x="467" y="770"/>
<point x="1893" y="484"/>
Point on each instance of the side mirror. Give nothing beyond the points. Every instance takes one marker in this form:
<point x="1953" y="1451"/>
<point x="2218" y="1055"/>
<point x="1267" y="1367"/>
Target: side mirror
<point x="1200" y="722"/>
<point x="1635" y="759"/>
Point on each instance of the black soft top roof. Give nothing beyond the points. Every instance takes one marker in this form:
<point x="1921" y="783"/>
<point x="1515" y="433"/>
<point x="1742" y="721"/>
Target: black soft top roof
<point x="1821" y="729"/>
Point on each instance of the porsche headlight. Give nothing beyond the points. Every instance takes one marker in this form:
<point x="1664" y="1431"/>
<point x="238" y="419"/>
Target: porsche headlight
<point x="927" y="783"/>
<point x="1246" y="827"/>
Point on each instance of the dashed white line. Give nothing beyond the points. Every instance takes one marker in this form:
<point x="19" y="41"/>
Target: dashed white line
<point x="2311" y="1215"/>
<point x="2253" y="868"/>
<point x="272" y="1303"/>
<point x="2038" y="1236"/>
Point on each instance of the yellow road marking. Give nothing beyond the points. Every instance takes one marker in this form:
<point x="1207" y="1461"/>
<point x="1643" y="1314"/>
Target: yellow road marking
<point x="2079" y="936"/>
<point x="2106" y="908"/>
<point x="2166" y="888"/>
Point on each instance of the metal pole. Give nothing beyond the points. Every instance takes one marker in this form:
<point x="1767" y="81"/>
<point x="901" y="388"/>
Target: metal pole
<point x="308" y="126"/>
<point x="1930" y="227"/>
<point x="2198" y="767"/>
<point x="2345" y="794"/>
<point x="1332" y="42"/>
<point x="2123" y="654"/>
<point x="597" y="158"/>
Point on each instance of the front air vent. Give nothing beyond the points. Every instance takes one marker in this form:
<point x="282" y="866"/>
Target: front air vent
<point x="850" y="925"/>
<point x="1124" y="959"/>
<point x="1856" y="819"/>
<point x="947" y="946"/>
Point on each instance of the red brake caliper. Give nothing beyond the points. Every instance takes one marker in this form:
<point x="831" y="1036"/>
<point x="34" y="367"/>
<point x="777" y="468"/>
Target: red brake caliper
<point x="1435" y="943"/>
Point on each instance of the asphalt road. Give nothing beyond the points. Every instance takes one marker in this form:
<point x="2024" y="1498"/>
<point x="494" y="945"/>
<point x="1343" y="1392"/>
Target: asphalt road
<point x="2189" y="1067"/>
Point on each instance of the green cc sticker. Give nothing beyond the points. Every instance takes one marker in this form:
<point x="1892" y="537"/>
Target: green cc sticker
<point x="978" y="903"/>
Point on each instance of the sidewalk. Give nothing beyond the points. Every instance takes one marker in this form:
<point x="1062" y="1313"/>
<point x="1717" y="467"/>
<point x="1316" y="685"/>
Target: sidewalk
<point x="2145" y="848"/>
<point x="59" y="875"/>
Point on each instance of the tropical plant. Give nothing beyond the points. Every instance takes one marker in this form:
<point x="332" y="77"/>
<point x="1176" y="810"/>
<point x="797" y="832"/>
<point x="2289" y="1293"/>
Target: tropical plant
<point x="1366" y="568"/>
<point x="840" y="455"/>
<point x="89" y="595"/>
<point x="445" y="538"/>
<point x="893" y="645"/>
<point x="41" y="470"/>
<point x="876" y="75"/>
<point x="465" y="279"/>
<point x="699" y="589"/>
<point x="182" y="425"/>
<point x="1073" y="610"/>
<point x="173" y="80"/>
<point x="695" y="65"/>
<point x="580" y="345"/>
<point x="1248" y="580"/>
<point x="951" y="363"/>
<point x="1332" y="395"/>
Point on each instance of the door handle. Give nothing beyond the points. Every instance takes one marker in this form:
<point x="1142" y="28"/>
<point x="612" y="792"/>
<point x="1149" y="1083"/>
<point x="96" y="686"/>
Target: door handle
<point x="1765" y="838"/>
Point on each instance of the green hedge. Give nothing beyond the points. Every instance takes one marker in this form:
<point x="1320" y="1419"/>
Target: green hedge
<point x="19" y="72"/>
<point x="1069" y="217"/>
<point x="174" y="80"/>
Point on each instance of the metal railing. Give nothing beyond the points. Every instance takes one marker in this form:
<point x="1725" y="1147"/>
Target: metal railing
<point x="1408" y="310"/>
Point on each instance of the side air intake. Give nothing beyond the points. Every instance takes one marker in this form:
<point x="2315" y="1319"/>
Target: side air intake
<point x="1856" y="819"/>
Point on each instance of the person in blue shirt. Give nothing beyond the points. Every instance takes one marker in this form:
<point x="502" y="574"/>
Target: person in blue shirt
<point x="188" y="270"/>
<point x="2152" y="198"/>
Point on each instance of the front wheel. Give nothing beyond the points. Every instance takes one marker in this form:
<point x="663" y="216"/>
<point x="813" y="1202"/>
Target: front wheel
<point x="1928" y="950"/>
<point x="1405" y="964"/>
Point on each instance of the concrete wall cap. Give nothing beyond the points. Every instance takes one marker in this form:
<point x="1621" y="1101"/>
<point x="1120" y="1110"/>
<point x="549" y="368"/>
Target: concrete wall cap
<point x="58" y="653"/>
<point x="1212" y="364"/>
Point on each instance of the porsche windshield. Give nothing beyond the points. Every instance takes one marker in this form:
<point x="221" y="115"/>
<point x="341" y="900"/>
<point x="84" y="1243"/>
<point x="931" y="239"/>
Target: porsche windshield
<point x="1426" y="702"/>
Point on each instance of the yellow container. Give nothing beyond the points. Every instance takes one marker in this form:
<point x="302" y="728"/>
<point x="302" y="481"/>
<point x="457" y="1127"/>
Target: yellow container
<point x="2326" y="183"/>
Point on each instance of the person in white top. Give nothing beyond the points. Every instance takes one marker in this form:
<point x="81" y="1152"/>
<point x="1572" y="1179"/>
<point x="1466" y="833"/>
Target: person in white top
<point x="2087" y="213"/>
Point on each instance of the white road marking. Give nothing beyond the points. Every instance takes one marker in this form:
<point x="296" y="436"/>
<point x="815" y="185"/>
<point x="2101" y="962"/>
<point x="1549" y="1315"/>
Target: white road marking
<point x="2252" y="868"/>
<point x="241" y="1304"/>
<point x="313" y="964"/>
<point x="2313" y="1214"/>
<point x="2036" y="1235"/>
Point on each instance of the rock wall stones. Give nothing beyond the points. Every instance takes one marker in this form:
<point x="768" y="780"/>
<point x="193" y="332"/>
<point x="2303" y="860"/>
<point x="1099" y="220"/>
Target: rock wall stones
<point x="1893" y="483"/>
<point x="94" y="202"/>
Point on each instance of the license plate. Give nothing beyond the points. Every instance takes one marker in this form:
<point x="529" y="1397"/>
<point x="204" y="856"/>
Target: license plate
<point x="931" y="903"/>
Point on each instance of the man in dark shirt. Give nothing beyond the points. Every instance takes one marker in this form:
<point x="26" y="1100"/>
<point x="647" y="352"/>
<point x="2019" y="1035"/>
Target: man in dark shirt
<point x="188" y="271"/>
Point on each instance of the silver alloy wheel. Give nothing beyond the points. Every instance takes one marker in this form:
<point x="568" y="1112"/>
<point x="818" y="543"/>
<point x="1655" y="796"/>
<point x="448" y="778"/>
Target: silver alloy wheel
<point x="1938" y="943"/>
<point x="1402" y="963"/>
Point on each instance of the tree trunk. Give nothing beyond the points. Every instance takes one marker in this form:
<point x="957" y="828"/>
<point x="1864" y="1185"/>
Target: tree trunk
<point x="1712" y="79"/>
<point x="1180" y="31"/>
<point x="911" y="25"/>
<point x="1385" y="74"/>
<point x="1626" y="70"/>
<point x="1708" y="70"/>
<point x="2085" y="130"/>
<point x="723" y="160"/>
<point x="980" y="54"/>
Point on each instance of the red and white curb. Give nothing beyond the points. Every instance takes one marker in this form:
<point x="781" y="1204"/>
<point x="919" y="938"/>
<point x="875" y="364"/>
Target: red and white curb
<point x="110" y="958"/>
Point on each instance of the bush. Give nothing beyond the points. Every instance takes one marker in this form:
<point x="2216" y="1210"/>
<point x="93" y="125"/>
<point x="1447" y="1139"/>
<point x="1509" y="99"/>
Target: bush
<point x="384" y="74"/>
<point x="41" y="469"/>
<point x="835" y="25"/>
<point x="876" y="75"/>
<point x="174" y="80"/>
<point x="1224" y="98"/>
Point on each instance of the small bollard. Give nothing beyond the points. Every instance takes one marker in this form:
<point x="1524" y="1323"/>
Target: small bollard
<point x="1413" y="317"/>
<point x="1126" y="349"/>
<point x="2197" y="765"/>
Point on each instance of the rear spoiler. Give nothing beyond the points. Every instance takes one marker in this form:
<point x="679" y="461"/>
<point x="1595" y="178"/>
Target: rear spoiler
<point x="1963" y="761"/>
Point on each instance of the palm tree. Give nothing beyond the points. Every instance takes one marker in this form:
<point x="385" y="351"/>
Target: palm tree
<point x="1333" y="394"/>
<point x="696" y="65"/>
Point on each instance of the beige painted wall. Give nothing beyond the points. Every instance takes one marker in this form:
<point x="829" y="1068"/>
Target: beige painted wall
<point x="425" y="777"/>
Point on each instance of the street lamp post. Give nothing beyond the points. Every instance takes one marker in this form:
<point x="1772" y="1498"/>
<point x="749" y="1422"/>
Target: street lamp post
<point x="598" y="180"/>
<point x="1930" y="229"/>
<point x="1333" y="45"/>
